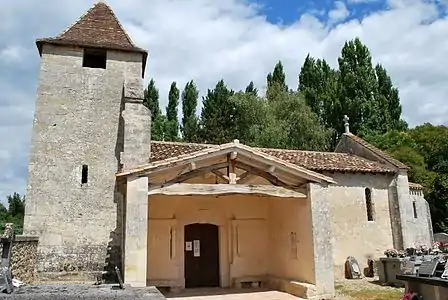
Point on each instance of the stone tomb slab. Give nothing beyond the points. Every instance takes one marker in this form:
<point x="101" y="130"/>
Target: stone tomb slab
<point x="428" y="267"/>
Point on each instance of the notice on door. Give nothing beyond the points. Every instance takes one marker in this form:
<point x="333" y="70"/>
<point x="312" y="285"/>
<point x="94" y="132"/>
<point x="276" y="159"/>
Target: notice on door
<point x="188" y="246"/>
<point x="196" y="248"/>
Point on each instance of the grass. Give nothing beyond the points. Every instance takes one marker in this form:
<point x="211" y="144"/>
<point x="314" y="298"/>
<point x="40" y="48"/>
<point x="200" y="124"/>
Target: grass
<point x="370" y="294"/>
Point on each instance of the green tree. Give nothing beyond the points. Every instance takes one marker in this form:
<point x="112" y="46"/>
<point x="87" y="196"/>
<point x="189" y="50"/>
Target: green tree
<point x="151" y="99"/>
<point x="401" y="146"/>
<point x="249" y="115"/>
<point x="438" y="200"/>
<point x="190" y="122"/>
<point x="389" y="102"/>
<point x="14" y="214"/>
<point x="318" y="85"/>
<point x="217" y="116"/>
<point x="172" y="122"/>
<point x="276" y="81"/>
<point x="251" y="89"/>
<point x="289" y="123"/>
<point x="432" y="142"/>
<point x="357" y="88"/>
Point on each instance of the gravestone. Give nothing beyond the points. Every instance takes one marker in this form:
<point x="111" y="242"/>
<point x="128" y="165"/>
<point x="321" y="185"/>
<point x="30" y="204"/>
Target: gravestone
<point x="352" y="268"/>
<point x="428" y="267"/>
<point x="5" y="264"/>
<point x="408" y="267"/>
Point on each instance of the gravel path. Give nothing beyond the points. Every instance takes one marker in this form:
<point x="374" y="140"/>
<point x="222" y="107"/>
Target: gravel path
<point x="88" y="292"/>
<point x="82" y="291"/>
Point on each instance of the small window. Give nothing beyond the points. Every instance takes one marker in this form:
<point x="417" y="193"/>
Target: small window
<point x="94" y="59"/>
<point x="369" y="204"/>
<point x="414" y="207"/>
<point x="85" y="174"/>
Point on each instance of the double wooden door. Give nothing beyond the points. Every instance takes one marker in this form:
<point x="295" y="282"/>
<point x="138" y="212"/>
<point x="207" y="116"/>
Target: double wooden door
<point x="201" y="250"/>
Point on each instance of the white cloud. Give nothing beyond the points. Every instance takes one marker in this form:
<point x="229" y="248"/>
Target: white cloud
<point x="338" y="13"/>
<point x="207" y="40"/>
<point x="11" y="53"/>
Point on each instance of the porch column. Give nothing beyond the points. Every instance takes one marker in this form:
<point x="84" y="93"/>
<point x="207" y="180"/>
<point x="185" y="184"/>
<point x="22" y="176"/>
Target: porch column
<point x="136" y="231"/>
<point x="322" y="238"/>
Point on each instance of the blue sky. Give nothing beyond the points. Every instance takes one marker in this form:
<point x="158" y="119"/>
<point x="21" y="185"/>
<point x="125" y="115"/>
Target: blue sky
<point x="206" y="40"/>
<point x="288" y="11"/>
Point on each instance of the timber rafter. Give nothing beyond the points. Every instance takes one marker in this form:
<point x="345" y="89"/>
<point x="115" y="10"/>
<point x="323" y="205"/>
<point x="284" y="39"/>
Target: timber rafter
<point x="231" y="165"/>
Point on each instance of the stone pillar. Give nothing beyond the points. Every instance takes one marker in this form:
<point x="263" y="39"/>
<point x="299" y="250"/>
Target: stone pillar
<point x="406" y="210"/>
<point x="136" y="244"/>
<point x="137" y="125"/>
<point x="322" y="239"/>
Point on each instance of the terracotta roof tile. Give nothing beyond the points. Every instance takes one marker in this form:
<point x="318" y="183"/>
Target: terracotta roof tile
<point x="315" y="161"/>
<point x="415" y="186"/>
<point x="377" y="151"/>
<point x="98" y="27"/>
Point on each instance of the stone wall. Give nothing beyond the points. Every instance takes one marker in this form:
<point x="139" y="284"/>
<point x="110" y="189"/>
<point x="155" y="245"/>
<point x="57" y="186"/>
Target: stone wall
<point x="352" y="233"/>
<point x="422" y="226"/>
<point x="24" y="254"/>
<point x="76" y="123"/>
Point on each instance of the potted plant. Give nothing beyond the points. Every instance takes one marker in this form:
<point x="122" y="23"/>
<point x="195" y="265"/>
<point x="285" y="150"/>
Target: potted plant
<point x="391" y="253"/>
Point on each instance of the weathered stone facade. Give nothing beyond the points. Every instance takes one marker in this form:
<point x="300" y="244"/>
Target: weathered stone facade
<point x="91" y="170"/>
<point x="79" y="131"/>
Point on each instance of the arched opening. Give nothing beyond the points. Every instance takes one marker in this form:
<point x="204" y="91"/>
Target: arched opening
<point x="201" y="255"/>
<point x="369" y="204"/>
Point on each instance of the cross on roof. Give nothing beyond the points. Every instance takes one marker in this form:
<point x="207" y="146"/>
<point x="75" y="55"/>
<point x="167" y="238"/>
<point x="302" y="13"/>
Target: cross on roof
<point x="346" y="124"/>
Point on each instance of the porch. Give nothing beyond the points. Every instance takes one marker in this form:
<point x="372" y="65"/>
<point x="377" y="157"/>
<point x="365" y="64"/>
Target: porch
<point x="252" y="238"/>
<point x="228" y="217"/>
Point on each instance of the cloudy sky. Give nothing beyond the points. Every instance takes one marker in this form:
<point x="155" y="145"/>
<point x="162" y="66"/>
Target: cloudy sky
<point x="237" y="40"/>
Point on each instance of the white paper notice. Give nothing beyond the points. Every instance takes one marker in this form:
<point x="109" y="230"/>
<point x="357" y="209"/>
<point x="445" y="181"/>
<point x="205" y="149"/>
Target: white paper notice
<point x="196" y="248"/>
<point x="188" y="246"/>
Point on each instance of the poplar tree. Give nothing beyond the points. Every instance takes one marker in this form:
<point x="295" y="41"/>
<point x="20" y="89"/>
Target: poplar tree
<point x="151" y="101"/>
<point x="251" y="89"/>
<point x="190" y="122"/>
<point x="172" y="124"/>
<point x="276" y="81"/>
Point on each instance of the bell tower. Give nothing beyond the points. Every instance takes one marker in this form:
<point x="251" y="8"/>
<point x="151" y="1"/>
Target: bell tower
<point x="90" y="74"/>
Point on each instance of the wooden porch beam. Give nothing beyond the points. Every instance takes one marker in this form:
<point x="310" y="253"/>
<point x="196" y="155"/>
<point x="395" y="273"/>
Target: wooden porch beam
<point x="190" y="189"/>
<point x="196" y="172"/>
<point x="245" y="177"/>
<point x="221" y="175"/>
<point x="269" y="177"/>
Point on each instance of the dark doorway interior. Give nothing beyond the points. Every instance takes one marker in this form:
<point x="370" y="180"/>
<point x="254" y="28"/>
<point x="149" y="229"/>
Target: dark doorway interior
<point x="201" y="250"/>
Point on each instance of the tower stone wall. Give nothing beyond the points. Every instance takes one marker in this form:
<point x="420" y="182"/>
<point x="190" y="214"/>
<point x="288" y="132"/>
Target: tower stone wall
<point x="77" y="137"/>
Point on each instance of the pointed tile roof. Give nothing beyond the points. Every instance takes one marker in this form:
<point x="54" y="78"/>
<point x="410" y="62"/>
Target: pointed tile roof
<point x="312" y="160"/>
<point x="378" y="154"/>
<point x="98" y="27"/>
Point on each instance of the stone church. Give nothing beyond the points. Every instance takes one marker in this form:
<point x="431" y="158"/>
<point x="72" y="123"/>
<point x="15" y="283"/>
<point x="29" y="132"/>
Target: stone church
<point x="101" y="194"/>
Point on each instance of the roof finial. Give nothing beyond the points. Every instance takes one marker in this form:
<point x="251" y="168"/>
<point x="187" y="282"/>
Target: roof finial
<point x="346" y="124"/>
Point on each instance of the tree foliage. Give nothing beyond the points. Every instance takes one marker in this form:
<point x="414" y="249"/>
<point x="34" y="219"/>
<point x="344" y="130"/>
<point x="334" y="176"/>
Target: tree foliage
<point x="218" y="115"/>
<point x="311" y="118"/>
<point x="424" y="149"/>
<point x="14" y="213"/>
<point x="172" y="121"/>
<point x="190" y="122"/>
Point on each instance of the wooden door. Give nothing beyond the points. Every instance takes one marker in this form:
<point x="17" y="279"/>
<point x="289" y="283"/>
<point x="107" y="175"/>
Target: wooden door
<point x="201" y="255"/>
